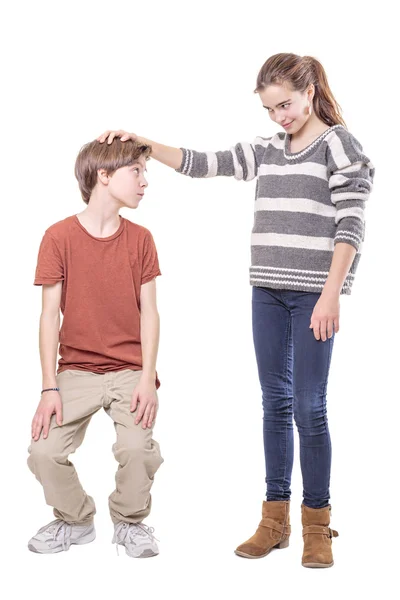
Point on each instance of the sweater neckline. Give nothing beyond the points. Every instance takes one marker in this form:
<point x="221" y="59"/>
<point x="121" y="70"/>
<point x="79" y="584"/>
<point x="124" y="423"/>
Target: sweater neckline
<point x="294" y="155"/>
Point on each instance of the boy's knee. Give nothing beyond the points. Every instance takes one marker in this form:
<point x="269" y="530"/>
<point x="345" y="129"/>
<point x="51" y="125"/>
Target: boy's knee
<point x="137" y="450"/>
<point x="41" y="452"/>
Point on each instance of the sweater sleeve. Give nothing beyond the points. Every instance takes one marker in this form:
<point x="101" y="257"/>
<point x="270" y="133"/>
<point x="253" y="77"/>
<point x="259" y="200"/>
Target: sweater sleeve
<point x="241" y="161"/>
<point x="351" y="175"/>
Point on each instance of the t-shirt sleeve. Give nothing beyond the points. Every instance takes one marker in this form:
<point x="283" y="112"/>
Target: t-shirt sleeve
<point x="150" y="266"/>
<point x="50" y="268"/>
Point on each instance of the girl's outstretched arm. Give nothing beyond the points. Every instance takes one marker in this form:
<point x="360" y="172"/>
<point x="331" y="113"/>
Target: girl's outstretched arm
<point x="172" y="157"/>
<point x="240" y="161"/>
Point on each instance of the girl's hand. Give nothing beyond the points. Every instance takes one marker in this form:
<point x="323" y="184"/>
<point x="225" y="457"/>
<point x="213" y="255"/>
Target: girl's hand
<point x="123" y="135"/>
<point x="325" y="316"/>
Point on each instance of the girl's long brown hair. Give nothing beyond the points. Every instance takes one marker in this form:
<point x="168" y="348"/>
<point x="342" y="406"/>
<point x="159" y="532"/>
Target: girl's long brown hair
<point x="300" y="72"/>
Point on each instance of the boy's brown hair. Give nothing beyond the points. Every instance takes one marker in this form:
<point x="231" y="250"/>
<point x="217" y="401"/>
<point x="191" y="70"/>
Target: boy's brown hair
<point x="94" y="156"/>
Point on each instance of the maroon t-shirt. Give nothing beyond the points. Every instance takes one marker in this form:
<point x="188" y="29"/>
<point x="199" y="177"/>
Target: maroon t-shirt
<point x="100" y="299"/>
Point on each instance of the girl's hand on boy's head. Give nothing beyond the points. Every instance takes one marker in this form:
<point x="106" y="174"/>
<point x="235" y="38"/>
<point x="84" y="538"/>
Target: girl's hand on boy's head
<point x="123" y="135"/>
<point x="49" y="405"/>
<point x="145" y="395"/>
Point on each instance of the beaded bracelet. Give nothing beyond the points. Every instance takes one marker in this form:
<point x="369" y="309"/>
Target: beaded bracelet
<point x="50" y="390"/>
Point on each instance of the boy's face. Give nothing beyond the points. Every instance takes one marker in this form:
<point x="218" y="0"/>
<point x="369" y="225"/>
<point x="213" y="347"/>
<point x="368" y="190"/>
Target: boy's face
<point x="127" y="184"/>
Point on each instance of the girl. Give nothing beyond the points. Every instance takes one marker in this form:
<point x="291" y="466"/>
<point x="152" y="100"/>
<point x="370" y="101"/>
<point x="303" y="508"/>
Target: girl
<point x="312" y="183"/>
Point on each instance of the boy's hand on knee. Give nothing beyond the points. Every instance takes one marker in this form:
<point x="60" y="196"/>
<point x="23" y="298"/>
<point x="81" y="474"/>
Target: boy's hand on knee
<point x="49" y="405"/>
<point x="145" y="396"/>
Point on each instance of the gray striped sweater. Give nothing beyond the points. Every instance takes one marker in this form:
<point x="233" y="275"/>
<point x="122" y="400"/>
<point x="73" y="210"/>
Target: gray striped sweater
<point x="305" y="203"/>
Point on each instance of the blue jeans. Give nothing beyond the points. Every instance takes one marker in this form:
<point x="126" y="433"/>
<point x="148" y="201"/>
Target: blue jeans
<point x="293" y="369"/>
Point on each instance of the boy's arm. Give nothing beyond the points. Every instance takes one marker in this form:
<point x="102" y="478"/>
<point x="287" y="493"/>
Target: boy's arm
<point x="145" y="391"/>
<point x="50" y="402"/>
<point x="149" y="329"/>
<point x="49" y="332"/>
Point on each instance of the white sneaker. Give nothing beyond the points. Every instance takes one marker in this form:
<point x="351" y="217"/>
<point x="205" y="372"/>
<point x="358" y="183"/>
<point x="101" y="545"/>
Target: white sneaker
<point x="137" y="538"/>
<point x="59" y="535"/>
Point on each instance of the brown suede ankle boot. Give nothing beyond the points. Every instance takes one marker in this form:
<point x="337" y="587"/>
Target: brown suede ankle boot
<point x="317" y="537"/>
<point x="273" y="531"/>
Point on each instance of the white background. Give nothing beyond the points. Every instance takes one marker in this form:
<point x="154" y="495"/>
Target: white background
<point x="183" y="73"/>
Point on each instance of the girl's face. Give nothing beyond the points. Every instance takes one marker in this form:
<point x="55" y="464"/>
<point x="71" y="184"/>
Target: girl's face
<point x="288" y="108"/>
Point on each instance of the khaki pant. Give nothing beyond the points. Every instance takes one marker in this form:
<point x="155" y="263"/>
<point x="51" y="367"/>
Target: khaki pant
<point x="83" y="393"/>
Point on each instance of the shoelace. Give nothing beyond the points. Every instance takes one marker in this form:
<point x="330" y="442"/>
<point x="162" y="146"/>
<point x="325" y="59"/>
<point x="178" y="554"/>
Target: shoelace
<point x="60" y="530"/>
<point x="126" y="533"/>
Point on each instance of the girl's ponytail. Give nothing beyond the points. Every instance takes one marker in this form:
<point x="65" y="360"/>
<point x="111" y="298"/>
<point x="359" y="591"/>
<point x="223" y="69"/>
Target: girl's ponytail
<point x="325" y="105"/>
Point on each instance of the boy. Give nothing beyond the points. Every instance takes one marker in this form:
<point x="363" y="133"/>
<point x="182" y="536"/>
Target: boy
<point x="100" y="270"/>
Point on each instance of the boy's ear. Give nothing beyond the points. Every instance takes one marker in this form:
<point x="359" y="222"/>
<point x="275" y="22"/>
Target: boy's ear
<point x="103" y="176"/>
